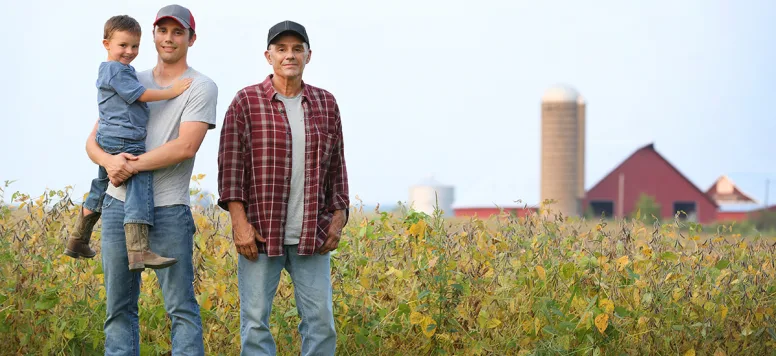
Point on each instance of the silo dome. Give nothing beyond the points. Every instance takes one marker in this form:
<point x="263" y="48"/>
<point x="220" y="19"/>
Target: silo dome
<point x="424" y="196"/>
<point x="561" y="93"/>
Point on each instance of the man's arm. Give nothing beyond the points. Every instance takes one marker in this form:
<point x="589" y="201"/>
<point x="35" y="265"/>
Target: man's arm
<point x="337" y="198"/>
<point x="191" y="135"/>
<point x="232" y="156"/>
<point x="231" y="180"/>
<point x="117" y="166"/>
<point x="185" y="146"/>
<point x="165" y="94"/>
<point x="245" y="235"/>
<point x="198" y="116"/>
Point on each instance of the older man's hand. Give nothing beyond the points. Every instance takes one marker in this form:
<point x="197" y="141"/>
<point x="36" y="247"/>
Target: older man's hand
<point x="245" y="237"/>
<point x="334" y="233"/>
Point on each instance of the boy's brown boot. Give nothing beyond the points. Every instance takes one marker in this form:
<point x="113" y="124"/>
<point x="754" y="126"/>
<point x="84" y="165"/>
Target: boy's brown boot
<point x="139" y="253"/>
<point x="78" y="241"/>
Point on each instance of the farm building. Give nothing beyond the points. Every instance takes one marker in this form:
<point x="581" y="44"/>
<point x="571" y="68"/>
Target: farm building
<point x="734" y="204"/>
<point x="647" y="172"/>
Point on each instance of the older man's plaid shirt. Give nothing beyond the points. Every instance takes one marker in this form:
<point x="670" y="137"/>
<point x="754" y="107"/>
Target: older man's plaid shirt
<point x="254" y="164"/>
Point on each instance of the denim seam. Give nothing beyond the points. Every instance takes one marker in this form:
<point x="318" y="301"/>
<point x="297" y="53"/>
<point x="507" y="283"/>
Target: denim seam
<point x="137" y="221"/>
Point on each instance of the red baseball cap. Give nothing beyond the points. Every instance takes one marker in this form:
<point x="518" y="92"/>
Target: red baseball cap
<point x="178" y="13"/>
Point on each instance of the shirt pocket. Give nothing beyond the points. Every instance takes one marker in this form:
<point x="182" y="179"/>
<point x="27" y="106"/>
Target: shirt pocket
<point x="324" y="143"/>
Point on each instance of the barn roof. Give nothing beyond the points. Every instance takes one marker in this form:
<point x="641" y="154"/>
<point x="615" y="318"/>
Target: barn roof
<point x="651" y="148"/>
<point x="725" y="191"/>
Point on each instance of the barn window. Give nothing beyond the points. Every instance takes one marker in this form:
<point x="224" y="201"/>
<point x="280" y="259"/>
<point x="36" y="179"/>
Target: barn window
<point x="686" y="210"/>
<point x="603" y="208"/>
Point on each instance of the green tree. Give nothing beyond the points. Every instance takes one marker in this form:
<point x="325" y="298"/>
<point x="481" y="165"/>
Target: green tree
<point x="647" y="208"/>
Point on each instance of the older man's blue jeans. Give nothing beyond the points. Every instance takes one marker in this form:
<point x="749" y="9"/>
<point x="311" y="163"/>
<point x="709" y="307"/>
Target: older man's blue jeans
<point x="258" y="283"/>
<point x="172" y="235"/>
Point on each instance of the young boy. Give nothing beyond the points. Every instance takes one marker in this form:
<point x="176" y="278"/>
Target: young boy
<point x="122" y="128"/>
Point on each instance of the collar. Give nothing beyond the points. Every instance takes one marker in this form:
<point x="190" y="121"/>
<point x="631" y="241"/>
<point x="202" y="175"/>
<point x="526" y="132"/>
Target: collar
<point x="268" y="91"/>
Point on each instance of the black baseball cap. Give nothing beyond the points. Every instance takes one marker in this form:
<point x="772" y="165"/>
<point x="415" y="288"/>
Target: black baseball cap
<point x="287" y="26"/>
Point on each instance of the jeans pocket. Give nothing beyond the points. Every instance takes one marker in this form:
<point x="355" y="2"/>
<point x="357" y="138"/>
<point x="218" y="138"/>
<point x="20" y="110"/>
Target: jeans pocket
<point x="190" y="220"/>
<point x="112" y="145"/>
<point x="107" y="201"/>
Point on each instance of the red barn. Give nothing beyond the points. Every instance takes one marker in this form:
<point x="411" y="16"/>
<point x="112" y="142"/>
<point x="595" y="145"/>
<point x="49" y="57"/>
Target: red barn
<point x="648" y="172"/>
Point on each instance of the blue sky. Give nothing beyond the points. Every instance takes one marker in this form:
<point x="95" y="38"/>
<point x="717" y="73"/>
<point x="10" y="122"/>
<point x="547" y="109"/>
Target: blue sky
<point x="451" y="88"/>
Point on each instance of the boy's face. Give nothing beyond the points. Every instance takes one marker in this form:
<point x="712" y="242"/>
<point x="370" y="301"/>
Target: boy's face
<point x="122" y="46"/>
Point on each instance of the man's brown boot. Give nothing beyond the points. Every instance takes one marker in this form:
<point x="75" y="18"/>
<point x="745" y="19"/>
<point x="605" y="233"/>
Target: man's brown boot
<point x="139" y="253"/>
<point x="78" y="242"/>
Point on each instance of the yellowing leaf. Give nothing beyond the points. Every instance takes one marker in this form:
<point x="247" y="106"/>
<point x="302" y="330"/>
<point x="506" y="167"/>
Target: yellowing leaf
<point x="365" y="282"/>
<point x="601" y="322"/>
<point x="622" y="262"/>
<point x="493" y="323"/>
<point x="429" y="326"/>
<point x="607" y="305"/>
<point x="636" y="297"/>
<point x="526" y="325"/>
<point x="416" y="318"/>
<point x="418" y="229"/>
<point x="541" y="272"/>
<point x="677" y="294"/>
<point x="207" y="304"/>
<point x="690" y="352"/>
<point x="723" y="310"/>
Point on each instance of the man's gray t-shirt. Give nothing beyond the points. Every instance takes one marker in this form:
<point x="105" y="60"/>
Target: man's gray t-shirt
<point x="296" y="197"/>
<point x="198" y="103"/>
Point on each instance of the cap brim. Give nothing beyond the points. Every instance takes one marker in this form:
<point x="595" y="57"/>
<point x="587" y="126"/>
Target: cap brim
<point x="177" y="19"/>
<point x="284" y="32"/>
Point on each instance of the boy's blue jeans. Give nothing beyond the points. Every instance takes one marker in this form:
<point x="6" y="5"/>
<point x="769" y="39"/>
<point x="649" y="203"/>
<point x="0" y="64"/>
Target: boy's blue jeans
<point x="139" y="202"/>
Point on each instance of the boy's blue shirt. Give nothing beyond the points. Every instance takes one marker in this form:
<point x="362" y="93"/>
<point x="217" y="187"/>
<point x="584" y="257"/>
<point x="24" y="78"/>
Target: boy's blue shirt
<point x="121" y="115"/>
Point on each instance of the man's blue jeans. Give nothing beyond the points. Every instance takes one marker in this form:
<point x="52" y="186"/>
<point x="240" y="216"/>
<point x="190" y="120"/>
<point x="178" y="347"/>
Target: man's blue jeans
<point x="173" y="236"/>
<point x="139" y="202"/>
<point x="258" y="283"/>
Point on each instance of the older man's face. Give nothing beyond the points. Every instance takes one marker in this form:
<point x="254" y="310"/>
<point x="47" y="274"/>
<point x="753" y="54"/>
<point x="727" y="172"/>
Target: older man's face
<point x="288" y="56"/>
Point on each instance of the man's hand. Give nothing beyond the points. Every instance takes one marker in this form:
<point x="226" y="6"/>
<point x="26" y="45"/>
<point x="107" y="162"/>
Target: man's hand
<point x="334" y="233"/>
<point x="119" y="169"/>
<point x="245" y="237"/>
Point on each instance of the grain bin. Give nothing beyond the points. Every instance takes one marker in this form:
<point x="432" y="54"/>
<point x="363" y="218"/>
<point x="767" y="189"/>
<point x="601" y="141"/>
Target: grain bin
<point x="563" y="149"/>
<point x="424" y="196"/>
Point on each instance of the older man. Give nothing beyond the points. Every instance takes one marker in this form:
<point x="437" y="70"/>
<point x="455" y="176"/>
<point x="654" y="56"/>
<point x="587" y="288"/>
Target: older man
<point x="282" y="177"/>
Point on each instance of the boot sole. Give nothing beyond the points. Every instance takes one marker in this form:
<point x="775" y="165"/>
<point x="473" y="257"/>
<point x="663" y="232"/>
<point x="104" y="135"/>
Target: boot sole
<point x="77" y="255"/>
<point x="141" y="266"/>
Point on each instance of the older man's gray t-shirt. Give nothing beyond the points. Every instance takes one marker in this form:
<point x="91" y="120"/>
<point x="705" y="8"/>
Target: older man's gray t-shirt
<point x="294" y="216"/>
<point x="198" y="103"/>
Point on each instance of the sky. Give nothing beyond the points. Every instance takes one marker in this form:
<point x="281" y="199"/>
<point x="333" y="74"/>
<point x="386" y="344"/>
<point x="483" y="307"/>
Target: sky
<point x="449" y="88"/>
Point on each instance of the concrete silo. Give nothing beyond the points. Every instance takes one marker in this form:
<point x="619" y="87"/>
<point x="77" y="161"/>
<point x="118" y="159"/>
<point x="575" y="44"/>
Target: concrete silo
<point x="563" y="150"/>
<point x="424" y="196"/>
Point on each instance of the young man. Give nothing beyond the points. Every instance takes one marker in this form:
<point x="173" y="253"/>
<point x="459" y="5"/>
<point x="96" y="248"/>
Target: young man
<point x="121" y="100"/>
<point x="282" y="177"/>
<point x="175" y="131"/>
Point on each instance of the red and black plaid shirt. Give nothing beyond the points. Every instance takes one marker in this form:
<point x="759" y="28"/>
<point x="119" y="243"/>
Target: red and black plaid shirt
<point x="254" y="164"/>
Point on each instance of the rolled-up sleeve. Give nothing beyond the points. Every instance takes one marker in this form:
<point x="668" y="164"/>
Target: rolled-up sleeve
<point x="337" y="195"/>
<point x="231" y="156"/>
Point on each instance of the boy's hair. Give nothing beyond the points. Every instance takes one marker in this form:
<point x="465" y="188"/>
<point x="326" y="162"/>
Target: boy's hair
<point x="121" y="23"/>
